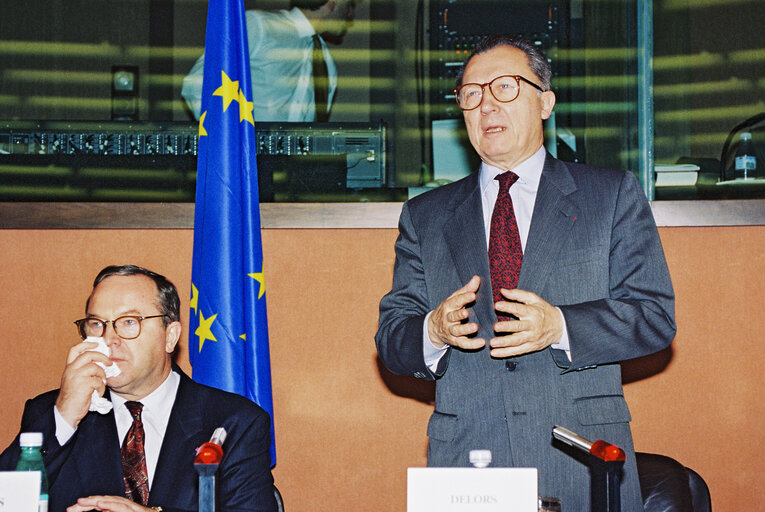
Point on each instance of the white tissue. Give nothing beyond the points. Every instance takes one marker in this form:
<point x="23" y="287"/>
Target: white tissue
<point x="99" y="403"/>
<point x="111" y="371"/>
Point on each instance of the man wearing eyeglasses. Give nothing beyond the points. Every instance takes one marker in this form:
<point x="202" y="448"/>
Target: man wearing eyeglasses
<point x="519" y="289"/>
<point x="139" y="455"/>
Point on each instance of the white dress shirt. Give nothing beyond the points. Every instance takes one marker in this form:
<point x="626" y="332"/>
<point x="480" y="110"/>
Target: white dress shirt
<point x="155" y="416"/>
<point x="524" y="195"/>
<point x="281" y="67"/>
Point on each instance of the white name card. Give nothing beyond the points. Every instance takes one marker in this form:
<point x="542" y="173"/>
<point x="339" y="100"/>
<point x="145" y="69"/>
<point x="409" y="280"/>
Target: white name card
<point x="471" y="490"/>
<point x="19" y="491"/>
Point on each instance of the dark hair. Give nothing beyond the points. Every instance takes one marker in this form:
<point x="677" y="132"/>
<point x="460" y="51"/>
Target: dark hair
<point x="311" y="5"/>
<point x="537" y="60"/>
<point x="167" y="296"/>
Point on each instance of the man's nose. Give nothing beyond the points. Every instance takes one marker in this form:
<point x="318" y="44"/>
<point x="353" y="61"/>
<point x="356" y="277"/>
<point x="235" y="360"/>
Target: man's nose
<point x="488" y="102"/>
<point x="110" y="335"/>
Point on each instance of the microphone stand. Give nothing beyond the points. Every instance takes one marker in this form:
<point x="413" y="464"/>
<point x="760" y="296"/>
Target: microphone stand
<point x="206" y="463"/>
<point x="606" y="462"/>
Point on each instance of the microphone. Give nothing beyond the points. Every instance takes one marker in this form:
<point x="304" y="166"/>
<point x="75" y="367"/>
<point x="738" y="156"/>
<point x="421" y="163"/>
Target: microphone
<point x="211" y="451"/>
<point x="206" y="463"/>
<point x="605" y="461"/>
<point x="600" y="449"/>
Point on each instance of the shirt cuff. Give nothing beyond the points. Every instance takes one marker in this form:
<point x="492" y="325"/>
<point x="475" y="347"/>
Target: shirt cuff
<point x="563" y="344"/>
<point x="431" y="353"/>
<point x="64" y="431"/>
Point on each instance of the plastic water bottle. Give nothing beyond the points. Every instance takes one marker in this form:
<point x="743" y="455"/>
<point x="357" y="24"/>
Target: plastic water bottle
<point x="480" y="458"/>
<point x="745" y="167"/>
<point x="31" y="460"/>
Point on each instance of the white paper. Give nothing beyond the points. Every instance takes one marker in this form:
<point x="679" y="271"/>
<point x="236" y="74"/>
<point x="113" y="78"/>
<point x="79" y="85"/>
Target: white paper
<point x="97" y="402"/>
<point x="677" y="175"/>
<point x="19" y="491"/>
<point x="471" y="489"/>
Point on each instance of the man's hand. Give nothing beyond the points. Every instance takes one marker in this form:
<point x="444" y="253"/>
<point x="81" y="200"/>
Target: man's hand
<point x="80" y="378"/>
<point x="446" y="324"/>
<point x="538" y="324"/>
<point x="107" y="504"/>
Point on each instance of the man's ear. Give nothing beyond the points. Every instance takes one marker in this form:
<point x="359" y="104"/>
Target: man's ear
<point x="548" y="103"/>
<point x="172" y="335"/>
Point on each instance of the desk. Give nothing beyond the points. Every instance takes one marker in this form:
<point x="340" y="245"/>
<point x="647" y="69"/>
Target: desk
<point x="709" y="187"/>
<point x="750" y="212"/>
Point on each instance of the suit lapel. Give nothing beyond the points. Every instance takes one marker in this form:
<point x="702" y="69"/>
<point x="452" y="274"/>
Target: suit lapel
<point x="181" y="438"/>
<point x="465" y="237"/>
<point x="97" y="453"/>
<point x="554" y="215"/>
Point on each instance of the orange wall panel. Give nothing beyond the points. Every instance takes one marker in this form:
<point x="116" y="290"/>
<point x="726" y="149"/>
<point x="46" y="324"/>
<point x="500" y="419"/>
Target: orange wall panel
<point x="346" y="429"/>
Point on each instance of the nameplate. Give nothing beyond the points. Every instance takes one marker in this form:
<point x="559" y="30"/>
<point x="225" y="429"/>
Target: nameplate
<point x="471" y="490"/>
<point x="19" y="491"/>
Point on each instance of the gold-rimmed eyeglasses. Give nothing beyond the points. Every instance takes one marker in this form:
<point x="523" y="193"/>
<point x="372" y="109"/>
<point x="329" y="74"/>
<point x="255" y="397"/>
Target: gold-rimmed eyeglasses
<point x="504" y="88"/>
<point x="127" y="327"/>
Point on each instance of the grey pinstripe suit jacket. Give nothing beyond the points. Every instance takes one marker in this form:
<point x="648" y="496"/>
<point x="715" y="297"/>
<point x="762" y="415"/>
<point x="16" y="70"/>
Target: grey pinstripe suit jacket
<point x="593" y="250"/>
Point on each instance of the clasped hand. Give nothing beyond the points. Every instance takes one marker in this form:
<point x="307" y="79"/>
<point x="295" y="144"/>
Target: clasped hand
<point x="107" y="504"/>
<point x="538" y="324"/>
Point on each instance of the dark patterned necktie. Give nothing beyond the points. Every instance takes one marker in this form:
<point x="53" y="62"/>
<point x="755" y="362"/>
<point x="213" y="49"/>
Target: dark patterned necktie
<point x="320" y="81"/>
<point x="134" y="458"/>
<point x="505" y="251"/>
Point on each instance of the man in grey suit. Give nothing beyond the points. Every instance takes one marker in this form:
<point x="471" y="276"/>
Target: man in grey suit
<point x="593" y="289"/>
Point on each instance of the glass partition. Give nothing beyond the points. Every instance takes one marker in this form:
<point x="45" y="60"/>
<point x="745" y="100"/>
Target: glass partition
<point x="91" y="106"/>
<point x="708" y="91"/>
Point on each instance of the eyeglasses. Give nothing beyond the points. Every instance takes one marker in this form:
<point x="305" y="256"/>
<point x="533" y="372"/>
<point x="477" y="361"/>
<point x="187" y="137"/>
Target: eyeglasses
<point x="504" y="88"/>
<point x="126" y="327"/>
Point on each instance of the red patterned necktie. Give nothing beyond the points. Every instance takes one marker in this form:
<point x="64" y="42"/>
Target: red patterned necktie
<point x="134" y="458"/>
<point x="505" y="251"/>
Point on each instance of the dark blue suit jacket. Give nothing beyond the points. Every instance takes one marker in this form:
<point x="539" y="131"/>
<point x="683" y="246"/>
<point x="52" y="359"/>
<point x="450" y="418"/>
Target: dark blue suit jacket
<point x="90" y="462"/>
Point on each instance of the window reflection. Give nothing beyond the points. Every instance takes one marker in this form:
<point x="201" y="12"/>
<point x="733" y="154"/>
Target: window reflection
<point x="394" y="70"/>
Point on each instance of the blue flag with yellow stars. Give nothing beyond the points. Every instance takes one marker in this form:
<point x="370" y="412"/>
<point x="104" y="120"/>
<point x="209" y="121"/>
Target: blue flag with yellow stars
<point x="228" y="338"/>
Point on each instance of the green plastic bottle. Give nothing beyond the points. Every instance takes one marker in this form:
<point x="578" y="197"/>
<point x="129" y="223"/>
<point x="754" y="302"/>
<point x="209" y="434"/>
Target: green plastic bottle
<point x="31" y="460"/>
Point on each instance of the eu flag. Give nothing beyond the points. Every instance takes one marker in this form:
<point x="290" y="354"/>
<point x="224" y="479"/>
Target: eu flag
<point x="228" y="340"/>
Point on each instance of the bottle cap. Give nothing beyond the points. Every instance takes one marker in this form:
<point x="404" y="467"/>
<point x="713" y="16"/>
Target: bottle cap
<point x="31" y="439"/>
<point x="480" y="458"/>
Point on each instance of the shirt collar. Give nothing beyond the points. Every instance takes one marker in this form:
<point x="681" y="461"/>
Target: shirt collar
<point x="303" y="26"/>
<point x="529" y="171"/>
<point x="156" y="401"/>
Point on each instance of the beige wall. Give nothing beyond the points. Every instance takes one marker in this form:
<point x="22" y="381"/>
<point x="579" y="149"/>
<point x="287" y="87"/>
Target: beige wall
<point x="346" y="429"/>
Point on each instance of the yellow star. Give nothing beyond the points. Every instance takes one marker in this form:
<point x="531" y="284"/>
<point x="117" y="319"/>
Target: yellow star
<point x="203" y="329"/>
<point x="194" y="298"/>
<point x="245" y="109"/>
<point x="258" y="276"/>
<point x="243" y="336"/>
<point x="228" y="90"/>
<point x="202" y="131"/>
